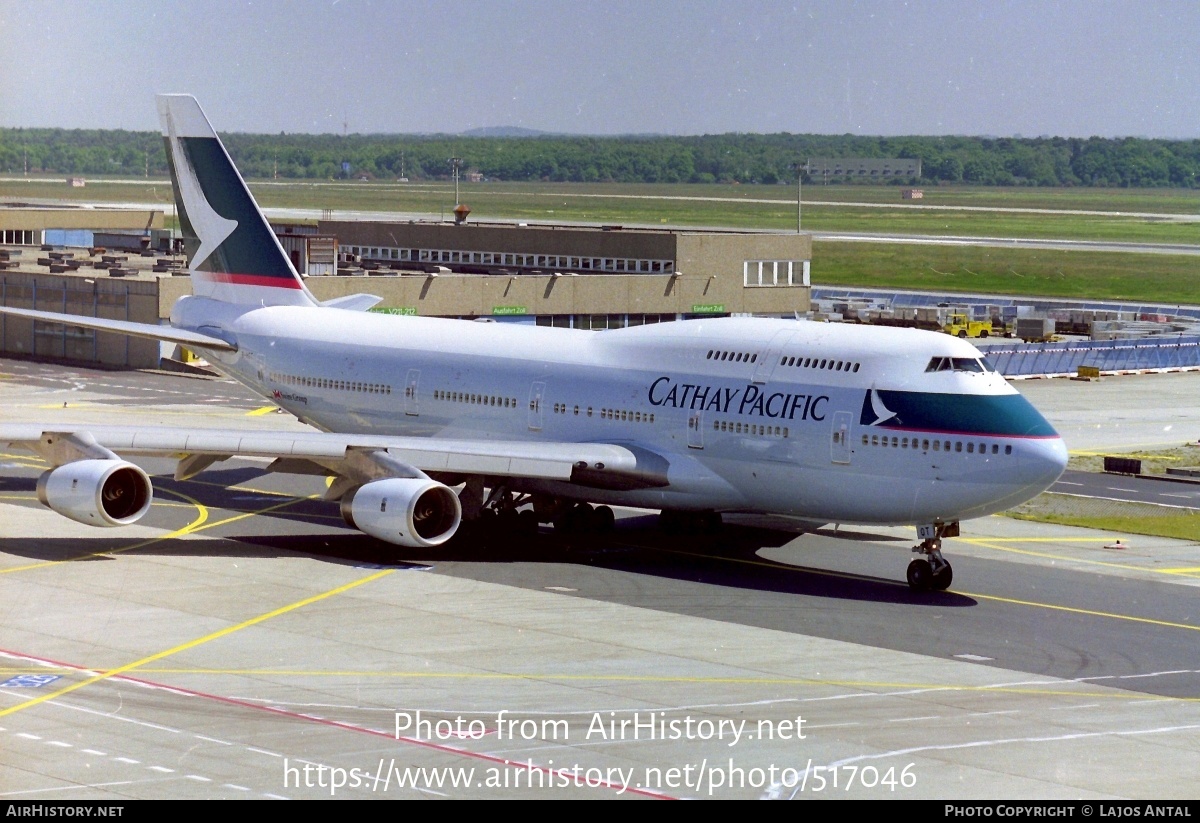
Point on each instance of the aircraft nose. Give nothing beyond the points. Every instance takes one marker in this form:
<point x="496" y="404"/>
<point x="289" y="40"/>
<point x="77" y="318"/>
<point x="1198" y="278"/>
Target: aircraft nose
<point x="1044" y="461"/>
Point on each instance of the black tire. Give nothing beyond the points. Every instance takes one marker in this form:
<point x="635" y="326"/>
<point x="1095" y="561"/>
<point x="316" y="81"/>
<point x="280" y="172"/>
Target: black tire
<point x="527" y="522"/>
<point x="581" y="519"/>
<point x="920" y="575"/>
<point x="604" y="519"/>
<point x="962" y="333"/>
<point x="983" y="333"/>
<point x="942" y="578"/>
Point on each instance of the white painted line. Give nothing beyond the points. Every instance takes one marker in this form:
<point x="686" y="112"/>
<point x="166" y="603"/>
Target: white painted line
<point x="128" y="760"/>
<point x="913" y="719"/>
<point x="1155" y="674"/>
<point x="60" y="744"/>
<point x="978" y="658"/>
<point x="263" y="751"/>
<point x="28" y="736"/>
<point x="162" y="769"/>
<point x="235" y="787"/>
<point x="1067" y="483"/>
<point x="275" y="796"/>
<point x="74" y="787"/>
<point x="94" y="752"/>
<point x="198" y="778"/>
<point x="831" y="725"/>
<point x="212" y="740"/>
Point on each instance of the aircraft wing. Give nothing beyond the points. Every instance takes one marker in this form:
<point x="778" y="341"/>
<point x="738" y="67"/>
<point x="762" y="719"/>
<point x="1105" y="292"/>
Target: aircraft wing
<point x="147" y="330"/>
<point x="350" y="455"/>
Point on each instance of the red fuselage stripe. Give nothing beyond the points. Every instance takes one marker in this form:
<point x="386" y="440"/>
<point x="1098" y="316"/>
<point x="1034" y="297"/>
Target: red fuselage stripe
<point x="251" y="279"/>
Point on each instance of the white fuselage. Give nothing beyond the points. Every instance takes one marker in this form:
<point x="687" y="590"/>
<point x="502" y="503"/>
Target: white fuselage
<point x="740" y="414"/>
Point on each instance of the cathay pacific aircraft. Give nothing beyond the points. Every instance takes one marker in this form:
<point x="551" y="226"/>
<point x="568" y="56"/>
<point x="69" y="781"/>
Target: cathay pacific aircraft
<point x="424" y="423"/>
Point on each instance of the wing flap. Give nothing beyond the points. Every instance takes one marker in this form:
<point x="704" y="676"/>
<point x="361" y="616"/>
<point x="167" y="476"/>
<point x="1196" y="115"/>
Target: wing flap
<point x="552" y="461"/>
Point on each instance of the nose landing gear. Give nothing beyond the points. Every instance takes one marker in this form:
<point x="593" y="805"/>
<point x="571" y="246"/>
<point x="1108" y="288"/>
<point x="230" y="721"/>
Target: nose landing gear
<point x="932" y="571"/>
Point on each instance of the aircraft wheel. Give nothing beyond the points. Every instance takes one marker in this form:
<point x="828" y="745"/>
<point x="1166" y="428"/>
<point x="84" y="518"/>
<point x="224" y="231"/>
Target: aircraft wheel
<point x="604" y="519"/>
<point x="527" y="522"/>
<point x="941" y="578"/>
<point x="578" y="519"/>
<point x="920" y="575"/>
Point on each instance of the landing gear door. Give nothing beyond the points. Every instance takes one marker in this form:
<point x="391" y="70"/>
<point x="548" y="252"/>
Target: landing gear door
<point x="695" y="435"/>
<point x="410" y="392"/>
<point x="839" y="447"/>
<point x="536" y="392"/>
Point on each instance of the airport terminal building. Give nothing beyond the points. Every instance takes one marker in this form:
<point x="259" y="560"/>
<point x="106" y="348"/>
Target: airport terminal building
<point x="558" y="275"/>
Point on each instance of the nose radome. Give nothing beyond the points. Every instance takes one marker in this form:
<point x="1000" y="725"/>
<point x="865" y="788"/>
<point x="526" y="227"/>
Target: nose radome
<point x="1046" y="460"/>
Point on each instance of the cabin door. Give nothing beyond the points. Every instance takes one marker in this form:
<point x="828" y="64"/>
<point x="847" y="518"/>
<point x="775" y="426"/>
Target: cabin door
<point x="839" y="447"/>
<point x="410" y="392"/>
<point x="536" y="392"/>
<point x="695" y="435"/>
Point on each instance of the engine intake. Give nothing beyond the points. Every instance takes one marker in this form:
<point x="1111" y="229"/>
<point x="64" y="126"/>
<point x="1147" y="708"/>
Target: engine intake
<point x="413" y="512"/>
<point x="97" y="492"/>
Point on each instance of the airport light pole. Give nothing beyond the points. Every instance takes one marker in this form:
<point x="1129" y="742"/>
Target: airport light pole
<point x="799" y="168"/>
<point x="456" y="164"/>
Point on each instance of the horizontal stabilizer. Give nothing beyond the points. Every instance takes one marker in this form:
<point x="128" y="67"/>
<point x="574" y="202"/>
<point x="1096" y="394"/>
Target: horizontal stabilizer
<point x="170" y="334"/>
<point x="353" y="302"/>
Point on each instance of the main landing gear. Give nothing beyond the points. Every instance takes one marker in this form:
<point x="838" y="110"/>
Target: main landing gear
<point x="932" y="571"/>
<point x="501" y="512"/>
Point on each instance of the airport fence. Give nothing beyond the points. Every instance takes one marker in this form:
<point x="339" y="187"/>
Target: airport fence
<point x="1047" y="359"/>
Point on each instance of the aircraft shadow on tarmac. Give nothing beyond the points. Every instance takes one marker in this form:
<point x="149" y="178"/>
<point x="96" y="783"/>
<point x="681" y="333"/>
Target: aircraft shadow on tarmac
<point x="728" y="559"/>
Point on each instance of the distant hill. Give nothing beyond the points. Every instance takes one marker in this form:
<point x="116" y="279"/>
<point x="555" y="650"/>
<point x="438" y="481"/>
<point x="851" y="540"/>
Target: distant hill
<point x="505" y="131"/>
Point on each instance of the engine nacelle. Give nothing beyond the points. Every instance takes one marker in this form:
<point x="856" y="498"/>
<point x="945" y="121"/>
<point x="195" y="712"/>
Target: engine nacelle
<point x="97" y="492"/>
<point x="413" y="512"/>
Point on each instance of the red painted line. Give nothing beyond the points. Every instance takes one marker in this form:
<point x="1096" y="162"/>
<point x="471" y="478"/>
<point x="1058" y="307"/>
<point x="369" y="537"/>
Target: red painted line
<point x="337" y="724"/>
<point x="279" y="282"/>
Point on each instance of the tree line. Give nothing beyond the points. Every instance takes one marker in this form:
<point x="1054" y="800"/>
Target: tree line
<point x="724" y="158"/>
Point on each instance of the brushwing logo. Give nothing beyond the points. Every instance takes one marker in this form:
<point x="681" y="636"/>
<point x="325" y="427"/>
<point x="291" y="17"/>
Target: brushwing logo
<point x="211" y="228"/>
<point x="874" y="412"/>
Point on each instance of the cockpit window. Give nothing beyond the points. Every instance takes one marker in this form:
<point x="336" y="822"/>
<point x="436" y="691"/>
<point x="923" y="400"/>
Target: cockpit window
<point x="966" y="364"/>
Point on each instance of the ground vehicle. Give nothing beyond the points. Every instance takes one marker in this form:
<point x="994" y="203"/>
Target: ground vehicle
<point x="960" y="324"/>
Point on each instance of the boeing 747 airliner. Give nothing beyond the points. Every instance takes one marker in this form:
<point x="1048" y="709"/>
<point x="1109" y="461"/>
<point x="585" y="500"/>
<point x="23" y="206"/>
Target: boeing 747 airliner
<point x="423" y="423"/>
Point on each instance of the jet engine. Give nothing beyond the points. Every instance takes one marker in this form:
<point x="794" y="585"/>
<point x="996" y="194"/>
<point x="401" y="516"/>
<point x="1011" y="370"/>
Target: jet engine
<point x="97" y="492"/>
<point x="413" y="512"/>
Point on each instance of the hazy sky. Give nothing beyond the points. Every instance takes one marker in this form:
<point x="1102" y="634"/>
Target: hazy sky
<point x="1071" y="68"/>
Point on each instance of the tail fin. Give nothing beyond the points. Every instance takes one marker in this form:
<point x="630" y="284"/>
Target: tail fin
<point x="233" y="254"/>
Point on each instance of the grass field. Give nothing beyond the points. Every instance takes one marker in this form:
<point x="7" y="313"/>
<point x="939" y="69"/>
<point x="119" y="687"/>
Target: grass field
<point x="1154" y="278"/>
<point x="1111" y="516"/>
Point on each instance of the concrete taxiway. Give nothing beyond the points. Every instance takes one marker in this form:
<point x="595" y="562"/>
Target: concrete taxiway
<point x="240" y="642"/>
